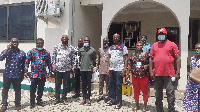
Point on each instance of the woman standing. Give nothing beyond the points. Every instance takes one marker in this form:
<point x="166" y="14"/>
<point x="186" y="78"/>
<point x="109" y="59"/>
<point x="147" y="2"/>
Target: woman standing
<point x="191" y="101"/>
<point x="138" y="65"/>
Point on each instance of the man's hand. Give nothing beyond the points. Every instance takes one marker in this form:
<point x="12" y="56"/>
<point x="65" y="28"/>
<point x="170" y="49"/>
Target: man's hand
<point x="152" y="76"/>
<point x="8" y="46"/>
<point x="107" y="72"/>
<point x="54" y="70"/>
<point x="26" y="75"/>
<point x="72" y="71"/>
<point x="32" y="52"/>
<point x="146" y="67"/>
<point x="123" y="73"/>
<point x="177" y="76"/>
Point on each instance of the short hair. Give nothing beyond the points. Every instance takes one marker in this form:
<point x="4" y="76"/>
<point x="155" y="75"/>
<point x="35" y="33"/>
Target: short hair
<point x="39" y="39"/>
<point x="139" y="42"/>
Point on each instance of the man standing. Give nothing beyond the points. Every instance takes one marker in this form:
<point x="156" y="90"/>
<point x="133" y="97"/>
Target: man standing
<point x="13" y="73"/>
<point x="77" y="68"/>
<point x="162" y="56"/>
<point x="62" y="59"/>
<point x="146" y="46"/>
<point x="102" y="65"/>
<point x="117" y="65"/>
<point x="40" y="58"/>
<point x="87" y="58"/>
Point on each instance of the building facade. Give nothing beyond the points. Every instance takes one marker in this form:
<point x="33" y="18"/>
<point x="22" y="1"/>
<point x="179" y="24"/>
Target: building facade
<point x="102" y="18"/>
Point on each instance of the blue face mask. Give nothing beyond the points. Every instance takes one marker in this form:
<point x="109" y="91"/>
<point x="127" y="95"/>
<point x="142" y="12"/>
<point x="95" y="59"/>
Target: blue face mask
<point x="197" y="51"/>
<point x="86" y="44"/>
<point x="40" y="49"/>
<point x="161" y="37"/>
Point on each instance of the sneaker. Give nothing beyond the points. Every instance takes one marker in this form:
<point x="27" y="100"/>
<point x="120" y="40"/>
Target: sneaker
<point x="18" y="108"/>
<point x="32" y="106"/>
<point x="3" y="109"/>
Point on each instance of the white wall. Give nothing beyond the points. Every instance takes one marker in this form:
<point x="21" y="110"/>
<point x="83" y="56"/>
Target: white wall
<point x="179" y="8"/>
<point x="88" y="22"/>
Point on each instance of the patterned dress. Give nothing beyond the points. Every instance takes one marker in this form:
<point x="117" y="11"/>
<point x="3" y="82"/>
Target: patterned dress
<point x="138" y="63"/>
<point x="191" y="101"/>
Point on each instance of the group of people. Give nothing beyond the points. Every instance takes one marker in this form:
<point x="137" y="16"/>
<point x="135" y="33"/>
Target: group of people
<point x="154" y="62"/>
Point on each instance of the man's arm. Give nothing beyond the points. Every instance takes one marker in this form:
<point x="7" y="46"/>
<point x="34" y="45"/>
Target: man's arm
<point x="54" y="55"/>
<point x="108" y="64"/>
<point x="98" y="59"/>
<point x="151" y="68"/>
<point x="178" y="66"/>
<point x="27" y="62"/>
<point x="125" y="65"/>
<point x="49" y="64"/>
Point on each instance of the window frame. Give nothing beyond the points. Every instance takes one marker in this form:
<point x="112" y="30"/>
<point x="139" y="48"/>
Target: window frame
<point x="35" y="29"/>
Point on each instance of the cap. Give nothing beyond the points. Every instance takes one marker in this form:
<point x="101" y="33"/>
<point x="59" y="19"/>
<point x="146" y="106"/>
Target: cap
<point x="162" y="30"/>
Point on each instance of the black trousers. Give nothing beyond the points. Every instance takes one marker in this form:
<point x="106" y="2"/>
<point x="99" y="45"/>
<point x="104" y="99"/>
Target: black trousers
<point x="86" y="77"/>
<point x="77" y="81"/>
<point x="34" y="83"/>
<point x="65" y="76"/>
<point x="16" y="82"/>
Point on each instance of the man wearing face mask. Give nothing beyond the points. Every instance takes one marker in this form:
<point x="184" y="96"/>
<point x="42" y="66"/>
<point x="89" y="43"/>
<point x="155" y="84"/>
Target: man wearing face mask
<point x="77" y="68"/>
<point x="162" y="56"/>
<point x="102" y="65"/>
<point x="40" y="59"/>
<point x="88" y="61"/>
<point x="13" y="73"/>
<point x="146" y="46"/>
<point x="62" y="63"/>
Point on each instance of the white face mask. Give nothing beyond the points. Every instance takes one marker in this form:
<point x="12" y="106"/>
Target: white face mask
<point x="86" y="44"/>
<point x="40" y="49"/>
<point x="161" y="37"/>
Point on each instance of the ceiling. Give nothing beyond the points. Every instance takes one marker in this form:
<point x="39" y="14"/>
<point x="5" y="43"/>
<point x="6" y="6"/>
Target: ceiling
<point x="147" y="7"/>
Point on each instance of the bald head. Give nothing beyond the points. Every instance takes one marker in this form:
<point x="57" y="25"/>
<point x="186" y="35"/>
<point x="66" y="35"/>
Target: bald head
<point x="80" y="42"/>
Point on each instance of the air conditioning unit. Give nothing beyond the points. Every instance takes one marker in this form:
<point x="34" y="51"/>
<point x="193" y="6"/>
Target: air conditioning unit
<point x="48" y="8"/>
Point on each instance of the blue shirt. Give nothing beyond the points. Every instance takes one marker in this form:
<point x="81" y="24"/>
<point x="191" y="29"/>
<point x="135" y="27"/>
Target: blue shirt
<point x="147" y="47"/>
<point x="15" y="61"/>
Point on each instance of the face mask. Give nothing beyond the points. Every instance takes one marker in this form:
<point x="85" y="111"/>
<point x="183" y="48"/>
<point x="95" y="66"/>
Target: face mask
<point x="105" y="45"/>
<point x="143" y="41"/>
<point x="86" y="44"/>
<point x="40" y="49"/>
<point x="64" y="42"/>
<point x="161" y="37"/>
<point x="197" y="51"/>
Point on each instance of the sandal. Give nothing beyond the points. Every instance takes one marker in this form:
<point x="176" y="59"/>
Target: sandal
<point x="118" y="106"/>
<point x="83" y="102"/>
<point x="54" y="103"/>
<point x="65" y="102"/>
<point x="144" y="110"/>
<point x="135" y="109"/>
<point x="88" y="103"/>
<point x="109" y="103"/>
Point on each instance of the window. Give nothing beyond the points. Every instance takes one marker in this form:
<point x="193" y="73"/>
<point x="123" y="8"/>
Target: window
<point x="194" y="33"/>
<point x="18" y="21"/>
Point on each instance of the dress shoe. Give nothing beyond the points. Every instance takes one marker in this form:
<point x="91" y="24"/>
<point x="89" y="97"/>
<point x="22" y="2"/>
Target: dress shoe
<point x="3" y="109"/>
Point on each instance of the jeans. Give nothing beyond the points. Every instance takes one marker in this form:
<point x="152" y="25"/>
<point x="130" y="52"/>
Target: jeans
<point x="115" y="86"/>
<point x="159" y="83"/>
<point x="77" y="81"/>
<point x="86" y="77"/>
<point x="34" y="83"/>
<point x="16" y="82"/>
<point x="65" y="76"/>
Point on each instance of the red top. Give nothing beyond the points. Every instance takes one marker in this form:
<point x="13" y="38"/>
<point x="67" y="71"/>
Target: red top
<point x="163" y="57"/>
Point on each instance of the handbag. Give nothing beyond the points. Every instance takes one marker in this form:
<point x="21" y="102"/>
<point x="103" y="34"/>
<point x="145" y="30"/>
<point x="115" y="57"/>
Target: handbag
<point x="195" y="74"/>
